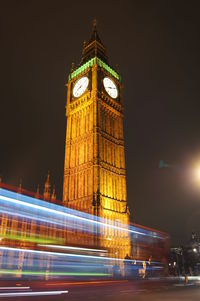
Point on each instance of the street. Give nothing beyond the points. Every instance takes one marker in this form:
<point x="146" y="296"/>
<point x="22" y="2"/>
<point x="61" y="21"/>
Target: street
<point x="101" y="291"/>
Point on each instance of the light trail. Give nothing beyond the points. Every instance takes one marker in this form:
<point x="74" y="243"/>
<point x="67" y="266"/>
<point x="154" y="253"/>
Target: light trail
<point x="70" y="255"/>
<point x="43" y="273"/>
<point x="22" y="236"/>
<point x="32" y="217"/>
<point x="56" y="212"/>
<point x="14" y="287"/>
<point x="25" y="294"/>
<point x="107" y="282"/>
<point x="71" y="248"/>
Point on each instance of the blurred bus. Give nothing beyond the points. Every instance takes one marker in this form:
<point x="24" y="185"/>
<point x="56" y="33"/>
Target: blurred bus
<point x="41" y="239"/>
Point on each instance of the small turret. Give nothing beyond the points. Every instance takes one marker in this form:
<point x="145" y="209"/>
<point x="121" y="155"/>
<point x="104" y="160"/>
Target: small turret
<point x="20" y="186"/>
<point x="37" y="194"/>
<point x="53" y="195"/>
<point x="47" y="188"/>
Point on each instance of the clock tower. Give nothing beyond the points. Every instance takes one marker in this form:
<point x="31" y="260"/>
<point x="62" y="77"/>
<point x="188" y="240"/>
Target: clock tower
<point x="94" y="168"/>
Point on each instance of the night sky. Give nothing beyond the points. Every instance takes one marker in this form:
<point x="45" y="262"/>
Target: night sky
<point x="156" y="45"/>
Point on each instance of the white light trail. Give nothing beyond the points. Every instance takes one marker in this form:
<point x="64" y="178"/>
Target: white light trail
<point x="14" y="287"/>
<point x="71" y="248"/>
<point x="56" y="212"/>
<point x="57" y="254"/>
<point x="68" y="254"/>
<point x="22" y="294"/>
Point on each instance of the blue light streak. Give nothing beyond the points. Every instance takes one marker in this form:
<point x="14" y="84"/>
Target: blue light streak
<point x="81" y="256"/>
<point x="52" y="213"/>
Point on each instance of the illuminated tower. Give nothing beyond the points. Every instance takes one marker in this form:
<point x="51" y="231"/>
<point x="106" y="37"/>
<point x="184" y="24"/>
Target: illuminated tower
<point x="94" y="171"/>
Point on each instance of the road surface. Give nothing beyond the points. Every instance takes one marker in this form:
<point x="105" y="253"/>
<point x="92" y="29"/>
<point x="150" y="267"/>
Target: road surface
<point x="100" y="291"/>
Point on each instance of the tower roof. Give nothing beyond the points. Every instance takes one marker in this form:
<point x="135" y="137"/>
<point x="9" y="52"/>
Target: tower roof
<point x="95" y="35"/>
<point x="94" y="47"/>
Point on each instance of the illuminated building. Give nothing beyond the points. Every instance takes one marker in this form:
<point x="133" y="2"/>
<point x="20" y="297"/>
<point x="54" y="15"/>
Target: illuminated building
<point x="34" y="227"/>
<point x="40" y="238"/>
<point x="94" y="171"/>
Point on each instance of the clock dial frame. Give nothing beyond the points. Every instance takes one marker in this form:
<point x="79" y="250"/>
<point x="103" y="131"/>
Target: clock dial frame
<point x="80" y="86"/>
<point x="110" y="87"/>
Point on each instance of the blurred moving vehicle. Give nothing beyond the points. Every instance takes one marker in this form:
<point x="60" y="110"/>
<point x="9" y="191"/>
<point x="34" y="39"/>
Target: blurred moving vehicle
<point x="40" y="239"/>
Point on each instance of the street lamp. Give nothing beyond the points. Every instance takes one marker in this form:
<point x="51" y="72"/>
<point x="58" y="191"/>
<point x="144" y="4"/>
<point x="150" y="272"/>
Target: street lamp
<point x="197" y="173"/>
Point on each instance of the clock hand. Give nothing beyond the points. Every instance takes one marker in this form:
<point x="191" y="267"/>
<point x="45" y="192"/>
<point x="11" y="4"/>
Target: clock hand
<point x="79" y="87"/>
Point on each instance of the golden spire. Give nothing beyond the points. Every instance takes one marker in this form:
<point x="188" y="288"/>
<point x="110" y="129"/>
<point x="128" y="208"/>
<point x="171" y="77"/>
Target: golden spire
<point x="94" y="47"/>
<point x="94" y="24"/>
<point x="53" y="196"/>
<point x="47" y="188"/>
<point x="37" y="195"/>
<point x="20" y="186"/>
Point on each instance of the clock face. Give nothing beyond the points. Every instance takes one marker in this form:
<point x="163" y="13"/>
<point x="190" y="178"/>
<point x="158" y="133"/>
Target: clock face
<point x="110" y="87"/>
<point x="80" y="86"/>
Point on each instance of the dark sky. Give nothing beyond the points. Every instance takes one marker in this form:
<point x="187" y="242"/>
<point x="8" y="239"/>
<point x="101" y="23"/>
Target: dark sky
<point x="156" y="45"/>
